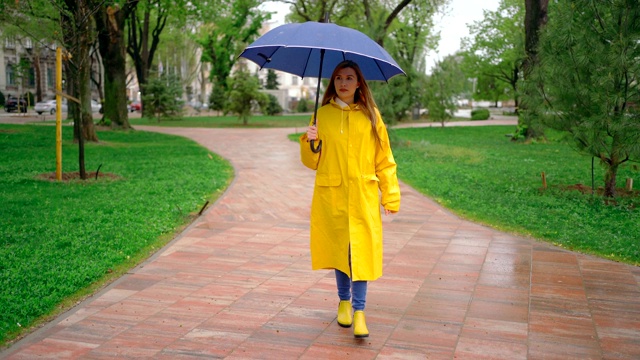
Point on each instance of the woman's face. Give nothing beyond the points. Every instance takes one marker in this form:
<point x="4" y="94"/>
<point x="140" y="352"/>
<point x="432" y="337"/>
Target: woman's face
<point x="346" y="83"/>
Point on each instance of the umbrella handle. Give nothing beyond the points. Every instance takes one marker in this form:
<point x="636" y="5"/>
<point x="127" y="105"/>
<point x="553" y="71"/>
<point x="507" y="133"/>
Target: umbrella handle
<point x="316" y="149"/>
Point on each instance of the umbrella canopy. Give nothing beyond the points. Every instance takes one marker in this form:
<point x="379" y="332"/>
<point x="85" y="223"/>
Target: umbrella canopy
<point x="296" y="49"/>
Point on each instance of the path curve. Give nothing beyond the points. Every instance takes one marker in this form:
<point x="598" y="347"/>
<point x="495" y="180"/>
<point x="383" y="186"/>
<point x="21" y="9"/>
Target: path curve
<point x="237" y="284"/>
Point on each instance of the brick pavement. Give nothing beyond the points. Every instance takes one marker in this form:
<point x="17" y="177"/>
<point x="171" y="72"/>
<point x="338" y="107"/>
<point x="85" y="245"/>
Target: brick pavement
<point x="237" y="284"/>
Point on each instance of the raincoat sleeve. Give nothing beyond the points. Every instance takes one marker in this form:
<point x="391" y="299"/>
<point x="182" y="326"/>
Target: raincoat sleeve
<point x="308" y="157"/>
<point x="386" y="170"/>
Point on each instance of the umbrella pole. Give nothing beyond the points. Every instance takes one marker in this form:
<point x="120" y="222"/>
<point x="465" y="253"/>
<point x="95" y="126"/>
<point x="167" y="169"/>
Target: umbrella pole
<point x="315" y="109"/>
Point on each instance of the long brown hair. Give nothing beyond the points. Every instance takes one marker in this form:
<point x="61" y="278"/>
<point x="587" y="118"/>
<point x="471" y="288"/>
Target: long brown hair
<point x="362" y="97"/>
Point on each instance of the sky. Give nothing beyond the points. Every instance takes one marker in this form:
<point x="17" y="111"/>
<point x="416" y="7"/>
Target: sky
<point x="452" y="24"/>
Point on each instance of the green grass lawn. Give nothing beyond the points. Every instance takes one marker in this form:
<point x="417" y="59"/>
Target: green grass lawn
<point x="482" y="175"/>
<point x="62" y="240"/>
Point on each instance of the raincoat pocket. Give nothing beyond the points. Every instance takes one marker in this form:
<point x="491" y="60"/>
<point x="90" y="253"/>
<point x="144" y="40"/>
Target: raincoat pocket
<point x="370" y="177"/>
<point x="371" y="196"/>
<point x="328" y="179"/>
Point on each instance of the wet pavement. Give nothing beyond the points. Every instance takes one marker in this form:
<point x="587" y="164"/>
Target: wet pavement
<point x="237" y="284"/>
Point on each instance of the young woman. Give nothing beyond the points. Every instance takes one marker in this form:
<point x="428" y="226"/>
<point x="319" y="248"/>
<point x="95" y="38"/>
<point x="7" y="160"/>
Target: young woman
<point x="355" y="174"/>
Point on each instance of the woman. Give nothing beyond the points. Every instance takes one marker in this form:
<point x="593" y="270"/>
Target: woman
<point x="354" y="166"/>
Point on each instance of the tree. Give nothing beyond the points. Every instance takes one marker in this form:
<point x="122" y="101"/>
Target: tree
<point x="495" y="51"/>
<point x="161" y="97"/>
<point x="236" y="25"/>
<point x="444" y="84"/>
<point x="244" y="94"/>
<point x="411" y="35"/>
<point x="272" y="80"/>
<point x="75" y="32"/>
<point x="144" y="27"/>
<point x="586" y="74"/>
<point x="378" y="16"/>
<point x="535" y="20"/>
<point x="17" y="20"/>
<point x="110" y="24"/>
<point x="271" y="107"/>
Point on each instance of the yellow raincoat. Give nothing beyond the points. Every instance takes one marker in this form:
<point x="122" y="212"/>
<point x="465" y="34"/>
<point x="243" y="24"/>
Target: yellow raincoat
<point x="352" y="170"/>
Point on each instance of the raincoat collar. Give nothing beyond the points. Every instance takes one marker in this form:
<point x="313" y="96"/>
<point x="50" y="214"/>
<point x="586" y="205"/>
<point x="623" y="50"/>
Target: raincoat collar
<point x="343" y="105"/>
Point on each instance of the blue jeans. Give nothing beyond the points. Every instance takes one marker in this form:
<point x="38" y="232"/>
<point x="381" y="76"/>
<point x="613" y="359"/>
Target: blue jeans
<point x="354" y="291"/>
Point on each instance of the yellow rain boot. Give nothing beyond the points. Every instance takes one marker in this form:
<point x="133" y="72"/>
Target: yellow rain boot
<point x="344" y="313"/>
<point x="360" y="325"/>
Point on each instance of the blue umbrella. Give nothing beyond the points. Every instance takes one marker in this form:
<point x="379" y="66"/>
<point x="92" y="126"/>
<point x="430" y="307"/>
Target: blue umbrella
<point x="297" y="49"/>
<point x="313" y="49"/>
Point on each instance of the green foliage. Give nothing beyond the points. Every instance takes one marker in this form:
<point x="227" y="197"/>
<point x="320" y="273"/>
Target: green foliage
<point x="444" y="84"/>
<point x="494" y="52"/>
<point x="244" y="95"/>
<point x="480" y="114"/>
<point x="395" y="99"/>
<point x="458" y="167"/>
<point x="272" y="107"/>
<point x="57" y="238"/>
<point x="162" y="97"/>
<point x="586" y="81"/>
<point x="272" y="80"/>
<point x="236" y="24"/>
<point x="218" y="97"/>
<point x="303" y="106"/>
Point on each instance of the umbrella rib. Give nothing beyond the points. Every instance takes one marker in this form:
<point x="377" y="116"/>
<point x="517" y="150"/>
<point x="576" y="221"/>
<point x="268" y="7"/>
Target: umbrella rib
<point x="381" y="72"/>
<point x="306" y="63"/>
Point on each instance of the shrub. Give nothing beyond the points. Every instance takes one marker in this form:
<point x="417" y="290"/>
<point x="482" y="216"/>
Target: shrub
<point x="303" y="106"/>
<point x="272" y="107"/>
<point x="161" y="99"/>
<point x="480" y="114"/>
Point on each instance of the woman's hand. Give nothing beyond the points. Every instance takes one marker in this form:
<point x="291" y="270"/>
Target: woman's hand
<point x="312" y="133"/>
<point x="387" y="212"/>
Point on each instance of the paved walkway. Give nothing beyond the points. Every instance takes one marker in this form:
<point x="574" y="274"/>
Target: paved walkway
<point x="237" y="284"/>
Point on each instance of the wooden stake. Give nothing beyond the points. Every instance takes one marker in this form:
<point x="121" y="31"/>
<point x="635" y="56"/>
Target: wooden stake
<point x="629" y="186"/>
<point x="544" y="180"/>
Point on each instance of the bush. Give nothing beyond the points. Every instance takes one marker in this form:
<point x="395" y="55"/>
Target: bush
<point x="272" y="107"/>
<point x="303" y="106"/>
<point x="480" y="114"/>
<point x="161" y="98"/>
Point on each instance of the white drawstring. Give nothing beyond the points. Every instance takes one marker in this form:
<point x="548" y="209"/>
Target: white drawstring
<point x="342" y="105"/>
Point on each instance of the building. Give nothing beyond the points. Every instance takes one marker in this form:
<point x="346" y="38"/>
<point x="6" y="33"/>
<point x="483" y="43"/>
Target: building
<point x="18" y="73"/>
<point x="20" y="63"/>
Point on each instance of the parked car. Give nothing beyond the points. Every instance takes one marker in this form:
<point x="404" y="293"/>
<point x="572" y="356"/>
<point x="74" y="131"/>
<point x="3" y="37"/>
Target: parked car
<point x="13" y="104"/>
<point x="135" y="106"/>
<point x="49" y="106"/>
<point x="96" y="106"/>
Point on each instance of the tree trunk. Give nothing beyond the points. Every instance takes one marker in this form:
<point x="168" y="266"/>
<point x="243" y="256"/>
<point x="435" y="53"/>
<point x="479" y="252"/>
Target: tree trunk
<point x="38" y="72"/>
<point x="82" y="57"/>
<point x="77" y="37"/>
<point x="110" y="25"/>
<point x="610" y="181"/>
<point x="139" y="48"/>
<point x="534" y="20"/>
